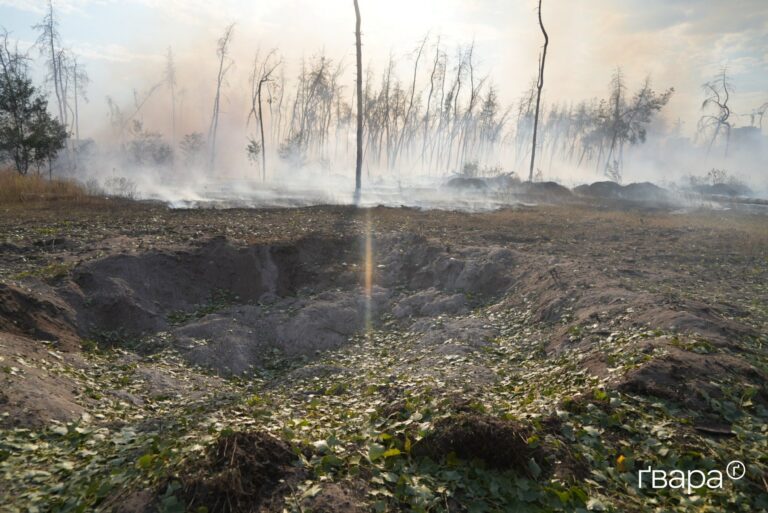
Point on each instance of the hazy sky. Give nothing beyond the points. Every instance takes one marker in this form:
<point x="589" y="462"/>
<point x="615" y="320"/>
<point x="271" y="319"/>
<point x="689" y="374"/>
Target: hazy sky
<point x="680" y="43"/>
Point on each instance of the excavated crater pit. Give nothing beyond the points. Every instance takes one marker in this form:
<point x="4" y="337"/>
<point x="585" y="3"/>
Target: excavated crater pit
<point x="229" y="308"/>
<point x="233" y="309"/>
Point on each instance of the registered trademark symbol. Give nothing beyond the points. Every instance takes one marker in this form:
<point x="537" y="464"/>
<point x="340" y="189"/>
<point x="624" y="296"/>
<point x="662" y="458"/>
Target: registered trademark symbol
<point x="736" y="470"/>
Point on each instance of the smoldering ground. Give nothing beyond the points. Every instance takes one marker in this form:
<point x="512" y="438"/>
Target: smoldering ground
<point x="432" y="110"/>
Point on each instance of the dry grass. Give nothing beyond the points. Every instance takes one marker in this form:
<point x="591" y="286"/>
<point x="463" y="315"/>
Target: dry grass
<point x="15" y="188"/>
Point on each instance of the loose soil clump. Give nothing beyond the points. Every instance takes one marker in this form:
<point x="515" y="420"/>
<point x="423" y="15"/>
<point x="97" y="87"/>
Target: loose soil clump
<point x="338" y="498"/>
<point x="242" y="473"/>
<point x="499" y="443"/>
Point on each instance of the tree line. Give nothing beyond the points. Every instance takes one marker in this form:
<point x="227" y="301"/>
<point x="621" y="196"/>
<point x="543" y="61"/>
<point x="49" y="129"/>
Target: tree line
<point x="441" y="115"/>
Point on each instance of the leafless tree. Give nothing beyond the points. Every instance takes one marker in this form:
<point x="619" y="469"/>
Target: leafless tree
<point x="445" y="114"/>
<point x="717" y="95"/>
<point x="359" y="91"/>
<point x="261" y="78"/>
<point x="412" y="94"/>
<point x="170" y="82"/>
<point x="524" y="122"/>
<point x="539" y="87"/>
<point x="49" y="43"/>
<point x="756" y="116"/>
<point x="222" y="50"/>
<point x="438" y="70"/>
<point x="614" y="125"/>
<point x="80" y="82"/>
<point x="73" y="72"/>
<point x="121" y="121"/>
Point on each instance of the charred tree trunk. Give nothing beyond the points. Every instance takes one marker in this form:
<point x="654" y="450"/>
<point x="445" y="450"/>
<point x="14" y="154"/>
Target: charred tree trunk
<point x="408" y="111"/>
<point x="359" y="53"/>
<point x="261" y="130"/>
<point x="223" y="49"/>
<point x="262" y="76"/>
<point x="55" y="71"/>
<point x="76" y="116"/>
<point x="170" y="77"/>
<point x="424" y="137"/>
<point x="539" y="87"/>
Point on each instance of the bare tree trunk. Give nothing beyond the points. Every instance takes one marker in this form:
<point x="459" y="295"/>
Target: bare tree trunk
<point x="408" y="111"/>
<point x="170" y="77"/>
<point x="539" y="87"/>
<point x="173" y="116"/>
<point x="359" y="52"/>
<point x="280" y="107"/>
<point x="429" y="102"/>
<point x="54" y="61"/>
<point x="223" y="49"/>
<point x="261" y="129"/>
<point x="261" y="76"/>
<point x="77" y="117"/>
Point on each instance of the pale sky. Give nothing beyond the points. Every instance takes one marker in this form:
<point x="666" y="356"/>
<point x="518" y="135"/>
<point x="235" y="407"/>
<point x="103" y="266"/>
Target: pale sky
<point x="680" y="43"/>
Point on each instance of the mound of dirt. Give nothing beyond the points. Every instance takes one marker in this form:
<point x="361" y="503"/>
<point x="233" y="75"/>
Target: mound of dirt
<point x="599" y="190"/>
<point x="548" y="191"/>
<point x="244" y="472"/>
<point x="39" y="316"/>
<point x="31" y="394"/>
<point x="695" y="319"/>
<point x="500" y="444"/>
<point x="338" y="498"/>
<point x="640" y="192"/>
<point x="503" y="181"/>
<point x="691" y="379"/>
<point x="703" y="348"/>
<point x="644" y="191"/>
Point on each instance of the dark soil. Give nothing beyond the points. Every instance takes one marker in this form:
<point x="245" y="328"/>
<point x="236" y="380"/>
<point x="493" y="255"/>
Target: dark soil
<point x="499" y="443"/>
<point x="644" y="192"/>
<point x="242" y="472"/>
<point x="40" y="316"/>
<point x="544" y="191"/>
<point x="344" y="497"/>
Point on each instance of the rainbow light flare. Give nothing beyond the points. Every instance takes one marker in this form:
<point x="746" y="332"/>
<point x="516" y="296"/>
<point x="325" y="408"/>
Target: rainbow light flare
<point x="368" y="269"/>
